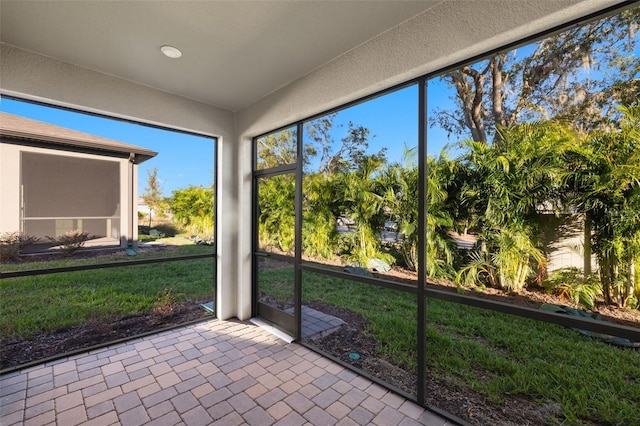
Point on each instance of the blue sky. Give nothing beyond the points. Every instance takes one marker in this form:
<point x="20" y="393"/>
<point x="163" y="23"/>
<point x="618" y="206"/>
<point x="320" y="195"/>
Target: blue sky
<point x="185" y="160"/>
<point x="182" y="159"/>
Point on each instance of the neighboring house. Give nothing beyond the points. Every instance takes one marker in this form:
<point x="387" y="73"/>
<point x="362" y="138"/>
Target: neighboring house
<point x="143" y="207"/>
<point x="54" y="180"/>
<point x="563" y="237"/>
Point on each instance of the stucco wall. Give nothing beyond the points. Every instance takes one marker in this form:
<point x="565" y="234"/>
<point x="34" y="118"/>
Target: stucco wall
<point x="563" y="238"/>
<point x="9" y="188"/>
<point x="35" y="77"/>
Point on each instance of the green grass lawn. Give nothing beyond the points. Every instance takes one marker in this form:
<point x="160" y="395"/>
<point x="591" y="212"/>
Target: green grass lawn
<point x="36" y="304"/>
<point x="500" y="356"/>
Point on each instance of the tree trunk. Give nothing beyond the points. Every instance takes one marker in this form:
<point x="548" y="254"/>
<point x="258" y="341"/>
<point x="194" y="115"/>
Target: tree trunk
<point x="587" y="245"/>
<point x="497" y="64"/>
<point x="520" y="276"/>
<point x="471" y="94"/>
<point x="605" y="278"/>
<point x="631" y="279"/>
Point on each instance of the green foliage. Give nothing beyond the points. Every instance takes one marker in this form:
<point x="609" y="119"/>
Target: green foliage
<point x="153" y="193"/>
<point x="440" y="247"/>
<point x="192" y="208"/>
<point x="605" y="176"/>
<point x="571" y="285"/>
<point x="512" y="178"/>
<point x="276" y="218"/>
<point x="319" y="233"/>
<point x="401" y="200"/>
<point x="401" y="181"/>
<point x="71" y="241"/>
<point x="363" y="201"/>
<point x="277" y="149"/>
<point x="12" y="243"/>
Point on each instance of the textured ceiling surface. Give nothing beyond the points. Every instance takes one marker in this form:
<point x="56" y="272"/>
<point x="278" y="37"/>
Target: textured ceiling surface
<point x="234" y="52"/>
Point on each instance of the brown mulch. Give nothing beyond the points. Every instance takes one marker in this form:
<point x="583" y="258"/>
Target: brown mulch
<point x="19" y="352"/>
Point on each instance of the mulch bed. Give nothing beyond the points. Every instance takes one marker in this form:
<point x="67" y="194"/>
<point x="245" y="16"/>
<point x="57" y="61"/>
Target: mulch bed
<point x="45" y="345"/>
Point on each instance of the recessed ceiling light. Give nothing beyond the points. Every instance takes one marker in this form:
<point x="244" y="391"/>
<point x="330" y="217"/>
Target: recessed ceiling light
<point x="171" y="51"/>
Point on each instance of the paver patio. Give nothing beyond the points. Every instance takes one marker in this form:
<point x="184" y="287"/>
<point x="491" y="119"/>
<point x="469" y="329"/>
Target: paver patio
<point x="214" y="372"/>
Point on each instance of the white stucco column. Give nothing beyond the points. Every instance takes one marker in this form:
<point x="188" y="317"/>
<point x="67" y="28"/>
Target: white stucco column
<point x="9" y="188"/>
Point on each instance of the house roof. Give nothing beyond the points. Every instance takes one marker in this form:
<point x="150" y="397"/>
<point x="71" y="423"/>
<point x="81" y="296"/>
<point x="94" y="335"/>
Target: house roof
<point x="27" y="130"/>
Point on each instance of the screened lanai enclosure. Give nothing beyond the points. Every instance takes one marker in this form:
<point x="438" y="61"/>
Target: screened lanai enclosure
<point x="61" y="194"/>
<point x="439" y="195"/>
<point x="420" y="235"/>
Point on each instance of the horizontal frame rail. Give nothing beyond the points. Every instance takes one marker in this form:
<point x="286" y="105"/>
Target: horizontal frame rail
<point x="68" y="217"/>
<point x="31" y="272"/>
<point x="627" y="332"/>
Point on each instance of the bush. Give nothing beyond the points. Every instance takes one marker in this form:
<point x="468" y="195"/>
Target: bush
<point x="167" y="301"/>
<point x="571" y="285"/>
<point x="71" y="241"/>
<point x="168" y="229"/>
<point x="12" y="243"/>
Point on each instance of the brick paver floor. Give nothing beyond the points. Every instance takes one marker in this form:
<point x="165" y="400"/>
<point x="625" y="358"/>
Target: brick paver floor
<point x="215" y="372"/>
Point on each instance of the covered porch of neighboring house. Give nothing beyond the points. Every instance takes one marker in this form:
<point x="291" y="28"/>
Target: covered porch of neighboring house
<point x="56" y="180"/>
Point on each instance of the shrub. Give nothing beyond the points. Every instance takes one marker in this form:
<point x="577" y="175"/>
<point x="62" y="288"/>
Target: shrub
<point x="168" y="229"/>
<point x="166" y="302"/>
<point x="193" y="208"/>
<point x="71" y="241"/>
<point x="571" y="285"/>
<point x="12" y="243"/>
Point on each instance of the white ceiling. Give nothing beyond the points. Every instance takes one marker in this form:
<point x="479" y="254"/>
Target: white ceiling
<point x="234" y="52"/>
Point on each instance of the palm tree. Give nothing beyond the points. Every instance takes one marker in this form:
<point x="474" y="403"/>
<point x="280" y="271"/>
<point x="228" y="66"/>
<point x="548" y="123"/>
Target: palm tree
<point x="401" y="180"/>
<point x="320" y="213"/>
<point x="605" y="176"/>
<point x="512" y="179"/>
<point x="363" y="201"/>
<point x="401" y="200"/>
